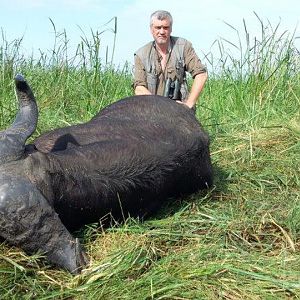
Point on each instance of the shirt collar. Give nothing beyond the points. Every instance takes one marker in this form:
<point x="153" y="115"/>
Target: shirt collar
<point x="170" y="46"/>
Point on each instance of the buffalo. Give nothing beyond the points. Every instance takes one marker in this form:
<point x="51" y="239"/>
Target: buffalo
<point x="126" y="161"/>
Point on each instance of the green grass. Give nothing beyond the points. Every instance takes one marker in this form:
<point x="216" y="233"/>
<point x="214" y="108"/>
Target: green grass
<point x="239" y="240"/>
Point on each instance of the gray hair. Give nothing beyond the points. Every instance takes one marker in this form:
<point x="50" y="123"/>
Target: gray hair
<point x="161" y="15"/>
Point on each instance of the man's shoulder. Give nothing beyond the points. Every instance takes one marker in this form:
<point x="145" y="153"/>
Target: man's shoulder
<point x="144" y="48"/>
<point x="180" y="40"/>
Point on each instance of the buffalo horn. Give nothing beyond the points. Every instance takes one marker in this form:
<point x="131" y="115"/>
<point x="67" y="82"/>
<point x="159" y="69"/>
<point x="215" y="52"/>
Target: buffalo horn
<point x="12" y="140"/>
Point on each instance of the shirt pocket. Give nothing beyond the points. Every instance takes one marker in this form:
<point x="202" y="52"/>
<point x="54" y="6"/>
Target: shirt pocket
<point x="152" y="80"/>
<point x="171" y="73"/>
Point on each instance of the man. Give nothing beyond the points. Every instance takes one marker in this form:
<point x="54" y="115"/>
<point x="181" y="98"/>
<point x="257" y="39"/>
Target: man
<point x="161" y="65"/>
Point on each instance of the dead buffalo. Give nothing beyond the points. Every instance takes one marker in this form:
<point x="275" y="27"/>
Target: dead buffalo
<point x="133" y="155"/>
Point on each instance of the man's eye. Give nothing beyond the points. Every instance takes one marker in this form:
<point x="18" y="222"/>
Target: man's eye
<point x="162" y="27"/>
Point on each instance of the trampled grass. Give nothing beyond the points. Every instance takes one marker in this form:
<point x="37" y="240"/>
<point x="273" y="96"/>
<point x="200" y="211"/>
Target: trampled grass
<point x="239" y="240"/>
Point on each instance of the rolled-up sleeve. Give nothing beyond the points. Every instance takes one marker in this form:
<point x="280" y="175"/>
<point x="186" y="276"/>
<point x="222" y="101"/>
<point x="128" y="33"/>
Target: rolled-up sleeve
<point x="140" y="78"/>
<point x="193" y="63"/>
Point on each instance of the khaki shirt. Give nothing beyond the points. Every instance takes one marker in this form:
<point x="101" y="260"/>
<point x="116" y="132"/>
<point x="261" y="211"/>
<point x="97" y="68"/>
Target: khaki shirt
<point x="153" y="77"/>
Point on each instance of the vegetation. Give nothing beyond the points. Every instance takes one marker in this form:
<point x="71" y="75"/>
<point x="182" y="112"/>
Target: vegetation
<point x="241" y="239"/>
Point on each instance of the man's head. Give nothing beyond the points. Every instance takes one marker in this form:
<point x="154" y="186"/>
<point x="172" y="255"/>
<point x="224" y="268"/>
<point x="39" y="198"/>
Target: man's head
<point x="161" y="26"/>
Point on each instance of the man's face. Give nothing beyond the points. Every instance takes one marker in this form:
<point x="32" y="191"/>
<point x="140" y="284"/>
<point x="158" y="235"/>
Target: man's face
<point x="161" y="31"/>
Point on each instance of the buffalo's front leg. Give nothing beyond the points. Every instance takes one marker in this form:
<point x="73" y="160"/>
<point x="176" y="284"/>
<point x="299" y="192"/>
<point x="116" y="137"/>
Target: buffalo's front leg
<point x="28" y="221"/>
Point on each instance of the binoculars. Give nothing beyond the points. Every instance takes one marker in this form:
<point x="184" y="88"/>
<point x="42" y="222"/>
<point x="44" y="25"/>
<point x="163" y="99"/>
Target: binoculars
<point x="172" y="89"/>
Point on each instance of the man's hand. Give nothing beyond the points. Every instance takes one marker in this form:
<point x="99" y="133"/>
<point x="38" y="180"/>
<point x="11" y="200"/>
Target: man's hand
<point x="141" y="90"/>
<point x="185" y="103"/>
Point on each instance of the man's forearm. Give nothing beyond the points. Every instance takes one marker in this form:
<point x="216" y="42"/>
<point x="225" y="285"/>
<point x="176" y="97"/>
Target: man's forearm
<point x="197" y="87"/>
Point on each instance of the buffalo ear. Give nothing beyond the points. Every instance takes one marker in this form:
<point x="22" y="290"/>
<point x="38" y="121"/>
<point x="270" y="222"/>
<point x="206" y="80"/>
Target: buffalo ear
<point x="12" y="140"/>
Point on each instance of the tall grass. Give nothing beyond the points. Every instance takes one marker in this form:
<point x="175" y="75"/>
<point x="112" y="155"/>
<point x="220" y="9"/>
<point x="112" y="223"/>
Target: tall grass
<point x="70" y="86"/>
<point x="254" y="79"/>
<point x="239" y="240"/>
